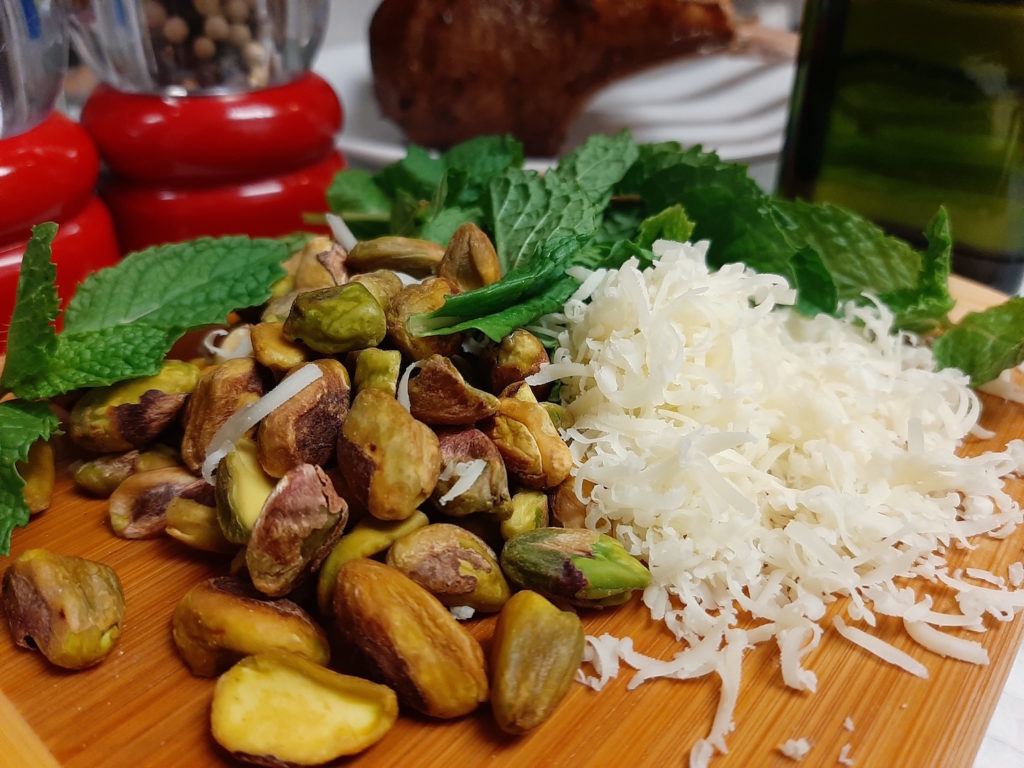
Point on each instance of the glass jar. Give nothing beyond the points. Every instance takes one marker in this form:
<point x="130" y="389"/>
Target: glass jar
<point x="33" y="60"/>
<point x="194" y="47"/>
<point x="904" y="105"/>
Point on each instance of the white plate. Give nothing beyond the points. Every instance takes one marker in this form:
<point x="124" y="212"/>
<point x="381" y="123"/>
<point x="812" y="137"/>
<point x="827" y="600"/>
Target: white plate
<point x="736" y="105"/>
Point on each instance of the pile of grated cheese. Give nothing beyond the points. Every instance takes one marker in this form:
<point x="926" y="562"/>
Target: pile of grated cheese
<point x="764" y="462"/>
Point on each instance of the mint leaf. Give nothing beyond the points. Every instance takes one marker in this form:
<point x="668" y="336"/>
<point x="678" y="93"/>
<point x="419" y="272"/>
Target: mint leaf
<point x="596" y="166"/>
<point x="815" y="290"/>
<point x="31" y="337"/>
<point x="100" y="357"/>
<point x="528" y="210"/>
<point x="924" y="307"/>
<point x="475" y="162"/>
<point x="123" y="320"/>
<point x="356" y="197"/>
<point x="440" y="227"/>
<point x="984" y="344"/>
<point x="671" y="224"/>
<point x="417" y="174"/>
<point x="182" y="285"/>
<point x="728" y="207"/>
<point x="500" y="324"/>
<point x="21" y="424"/>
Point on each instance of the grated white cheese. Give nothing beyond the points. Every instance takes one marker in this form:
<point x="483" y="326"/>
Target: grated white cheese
<point x="462" y="612"/>
<point x="1009" y="385"/>
<point x="848" y="724"/>
<point x="844" y="755"/>
<point x="883" y="650"/>
<point x="402" y="391"/>
<point x="247" y="417"/>
<point x="1015" y="573"/>
<point x="339" y="230"/>
<point x="765" y="463"/>
<point x="467" y="473"/>
<point x="946" y="645"/>
<point x="796" y="749"/>
<point x="982" y="575"/>
<point x="235" y="344"/>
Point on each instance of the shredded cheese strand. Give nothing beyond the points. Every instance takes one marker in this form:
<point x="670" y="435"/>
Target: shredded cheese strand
<point x="765" y="462"/>
<point x="247" y="417"/>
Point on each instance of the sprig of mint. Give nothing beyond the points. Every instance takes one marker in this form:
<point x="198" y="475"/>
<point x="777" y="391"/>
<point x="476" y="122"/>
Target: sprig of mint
<point x="611" y="198"/>
<point x="21" y="424"/>
<point x="120" y="324"/>
<point x="123" y="320"/>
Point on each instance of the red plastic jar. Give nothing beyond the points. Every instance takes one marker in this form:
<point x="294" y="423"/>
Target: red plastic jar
<point x="48" y="173"/>
<point x="252" y="163"/>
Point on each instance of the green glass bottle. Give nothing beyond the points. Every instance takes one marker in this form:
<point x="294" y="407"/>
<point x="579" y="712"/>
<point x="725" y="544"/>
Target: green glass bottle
<point x="901" y="106"/>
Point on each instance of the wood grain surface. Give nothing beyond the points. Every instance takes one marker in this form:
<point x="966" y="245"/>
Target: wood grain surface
<point x="141" y="707"/>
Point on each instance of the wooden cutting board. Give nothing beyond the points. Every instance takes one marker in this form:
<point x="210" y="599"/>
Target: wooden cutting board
<point x="141" y="707"/>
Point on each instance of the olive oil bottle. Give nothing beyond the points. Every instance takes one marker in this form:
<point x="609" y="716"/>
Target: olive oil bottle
<point x="901" y="106"/>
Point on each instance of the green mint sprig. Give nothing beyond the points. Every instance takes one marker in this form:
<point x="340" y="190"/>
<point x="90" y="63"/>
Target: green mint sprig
<point x="123" y="320"/>
<point x="120" y="324"/>
<point x="21" y="425"/>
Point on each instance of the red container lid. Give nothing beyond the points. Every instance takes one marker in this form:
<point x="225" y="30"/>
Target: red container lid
<point x="268" y="207"/>
<point x="46" y="174"/>
<point x="219" y="139"/>
<point x="84" y="244"/>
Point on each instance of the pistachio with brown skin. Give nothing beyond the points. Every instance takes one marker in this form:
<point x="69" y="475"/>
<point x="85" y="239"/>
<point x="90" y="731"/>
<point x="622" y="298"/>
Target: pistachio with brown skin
<point x="470" y="260"/>
<point x="273" y="350"/>
<point x="132" y="413"/>
<point x="390" y="460"/>
<point x="300" y="522"/>
<point x="520" y="354"/>
<point x="223" y="619"/>
<point x="138" y="508"/>
<point x="438" y="395"/>
<point x="222" y="389"/>
<point x="489" y="492"/>
<point x="102" y="475"/>
<point x="320" y="264"/>
<point x="321" y="267"/>
<point x="67" y="607"/>
<point x="304" y="430"/>
<point x="534" y="452"/>
<point x="406" y="254"/>
<point x="567" y="510"/>
<point x="412" y="300"/>
<point x="454" y="565"/>
<point x="432" y="662"/>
